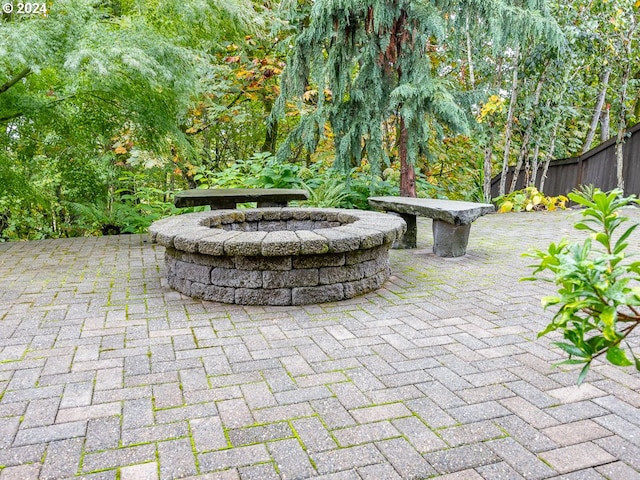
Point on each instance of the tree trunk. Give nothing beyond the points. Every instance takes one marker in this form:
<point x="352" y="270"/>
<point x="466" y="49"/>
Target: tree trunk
<point x="509" y="126"/>
<point x="536" y="153"/>
<point x="604" y="81"/>
<point x="620" y="160"/>
<point x="531" y="181"/>
<point x="605" y="121"/>
<point x="472" y="79"/>
<point x="622" y="123"/>
<point x="526" y="138"/>
<point x="552" y="146"/>
<point x="407" y="171"/>
<point x="271" y="133"/>
<point x="486" y="177"/>
<point x="622" y="130"/>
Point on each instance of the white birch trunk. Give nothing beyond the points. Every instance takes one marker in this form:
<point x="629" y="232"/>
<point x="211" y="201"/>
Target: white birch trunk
<point x="622" y="115"/>
<point x="472" y="79"/>
<point x="552" y="146"/>
<point x="526" y="138"/>
<point x="486" y="183"/>
<point x="604" y="81"/>
<point x="534" y="166"/>
<point x="509" y="126"/>
<point x="604" y="123"/>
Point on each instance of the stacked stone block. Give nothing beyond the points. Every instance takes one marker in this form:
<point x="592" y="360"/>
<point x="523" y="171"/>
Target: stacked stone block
<point x="277" y="256"/>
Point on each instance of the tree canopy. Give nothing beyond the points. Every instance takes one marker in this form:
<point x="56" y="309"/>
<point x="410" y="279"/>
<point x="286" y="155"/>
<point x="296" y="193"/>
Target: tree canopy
<point x="107" y="107"/>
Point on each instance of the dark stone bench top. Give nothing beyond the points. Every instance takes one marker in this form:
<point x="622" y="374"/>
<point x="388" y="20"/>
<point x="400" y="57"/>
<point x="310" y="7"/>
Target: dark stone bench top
<point x="231" y="196"/>
<point x="449" y="211"/>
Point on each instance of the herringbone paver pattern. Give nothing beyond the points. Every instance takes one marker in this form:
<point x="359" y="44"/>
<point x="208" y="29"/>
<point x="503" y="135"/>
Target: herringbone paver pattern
<point x="106" y="373"/>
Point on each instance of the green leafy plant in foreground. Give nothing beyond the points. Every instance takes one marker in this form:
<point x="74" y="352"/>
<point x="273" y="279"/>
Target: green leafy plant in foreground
<point x="598" y="291"/>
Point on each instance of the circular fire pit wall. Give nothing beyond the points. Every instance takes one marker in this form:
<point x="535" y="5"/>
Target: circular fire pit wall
<point x="277" y="256"/>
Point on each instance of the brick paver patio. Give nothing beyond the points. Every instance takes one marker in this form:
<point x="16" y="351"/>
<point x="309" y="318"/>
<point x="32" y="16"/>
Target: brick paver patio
<point x="106" y="373"/>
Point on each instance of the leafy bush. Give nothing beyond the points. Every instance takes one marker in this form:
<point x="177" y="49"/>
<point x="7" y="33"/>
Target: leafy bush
<point x="598" y="292"/>
<point x="361" y="186"/>
<point x="331" y="188"/>
<point x="528" y="200"/>
<point x="262" y="170"/>
<point x="109" y="219"/>
<point x="276" y="175"/>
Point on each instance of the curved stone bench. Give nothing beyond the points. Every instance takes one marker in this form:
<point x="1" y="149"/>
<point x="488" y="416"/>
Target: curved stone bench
<point x="277" y="256"/>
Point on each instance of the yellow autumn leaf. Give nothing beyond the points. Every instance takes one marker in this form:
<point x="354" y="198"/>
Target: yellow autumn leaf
<point x="506" y="207"/>
<point x="309" y="95"/>
<point x="244" y="74"/>
<point x="120" y="150"/>
<point x="494" y="104"/>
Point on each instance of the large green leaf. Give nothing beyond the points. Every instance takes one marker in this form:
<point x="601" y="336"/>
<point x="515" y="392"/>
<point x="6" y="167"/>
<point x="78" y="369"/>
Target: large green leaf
<point x="572" y="349"/>
<point x="583" y="373"/>
<point x="618" y="357"/>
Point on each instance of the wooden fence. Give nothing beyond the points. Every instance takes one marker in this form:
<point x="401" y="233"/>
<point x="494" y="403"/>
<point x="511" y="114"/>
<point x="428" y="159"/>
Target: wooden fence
<point x="596" y="167"/>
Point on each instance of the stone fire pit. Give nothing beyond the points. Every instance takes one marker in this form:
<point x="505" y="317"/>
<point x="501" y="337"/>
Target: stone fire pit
<point x="277" y="256"/>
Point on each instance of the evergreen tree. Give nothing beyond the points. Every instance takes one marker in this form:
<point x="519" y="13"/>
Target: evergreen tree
<point x="371" y="62"/>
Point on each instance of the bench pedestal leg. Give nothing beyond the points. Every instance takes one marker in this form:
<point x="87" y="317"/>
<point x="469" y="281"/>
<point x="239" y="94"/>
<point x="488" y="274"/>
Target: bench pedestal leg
<point x="409" y="239"/>
<point x="450" y="240"/>
<point x="228" y="205"/>
<point x="272" y="204"/>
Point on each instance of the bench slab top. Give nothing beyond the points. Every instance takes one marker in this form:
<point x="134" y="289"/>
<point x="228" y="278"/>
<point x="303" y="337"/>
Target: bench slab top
<point x="450" y="211"/>
<point x="200" y="196"/>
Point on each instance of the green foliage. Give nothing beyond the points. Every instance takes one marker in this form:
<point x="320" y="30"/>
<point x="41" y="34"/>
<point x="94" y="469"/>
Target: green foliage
<point x="123" y="103"/>
<point x="108" y="219"/>
<point x="598" y="297"/>
<point x="361" y="186"/>
<point x="331" y="193"/>
<point x="275" y="174"/>
<point x="129" y="209"/>
<point x="96" y="90"/>
<point x="529" y="200"/>
<point x="262" y="170"/>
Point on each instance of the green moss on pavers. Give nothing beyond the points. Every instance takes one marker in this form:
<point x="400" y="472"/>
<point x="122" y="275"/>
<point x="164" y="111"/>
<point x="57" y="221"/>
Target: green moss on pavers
<point x="151" y="440"/>
<point x="110" y="459"/>
<point x="260" y="433"/>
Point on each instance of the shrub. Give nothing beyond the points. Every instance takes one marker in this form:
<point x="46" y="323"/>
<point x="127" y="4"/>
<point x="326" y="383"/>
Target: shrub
<point x="598" y="290"/>
<point x="528" y="200"/>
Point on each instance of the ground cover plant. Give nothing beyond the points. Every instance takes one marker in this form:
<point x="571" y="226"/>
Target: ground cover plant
<point x="529" y="200"/>
<point x="598" y="300"/>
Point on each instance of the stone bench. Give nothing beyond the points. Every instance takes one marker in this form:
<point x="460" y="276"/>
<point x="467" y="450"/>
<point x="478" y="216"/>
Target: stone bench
<point x="451" y="221"/>
<point x="228" y="198"/>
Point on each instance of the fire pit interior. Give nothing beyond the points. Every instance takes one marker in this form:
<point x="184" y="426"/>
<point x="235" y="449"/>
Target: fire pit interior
<point x="277" y="256"/>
